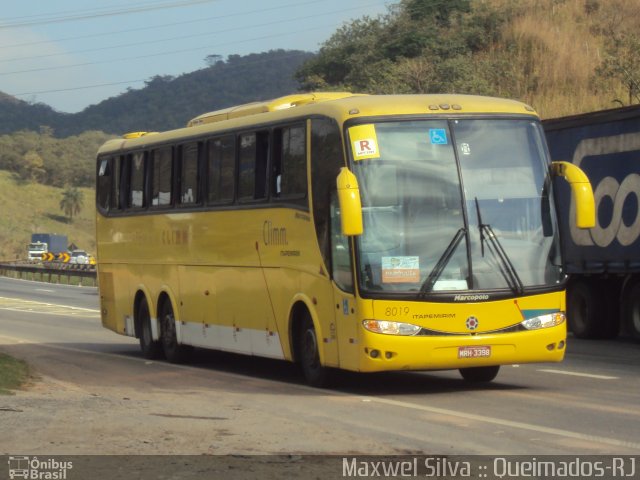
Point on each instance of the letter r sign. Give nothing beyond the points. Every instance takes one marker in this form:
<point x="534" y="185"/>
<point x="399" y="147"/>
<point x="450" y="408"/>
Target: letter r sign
<point x="365" y="148"/>
<point x="364" y="142"/>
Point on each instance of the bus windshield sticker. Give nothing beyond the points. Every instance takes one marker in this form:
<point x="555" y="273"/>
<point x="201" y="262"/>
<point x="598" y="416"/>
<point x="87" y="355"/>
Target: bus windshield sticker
<point x="438" y="136"/>
<point x="364" y="142"/>
<point x="400" y="269"/>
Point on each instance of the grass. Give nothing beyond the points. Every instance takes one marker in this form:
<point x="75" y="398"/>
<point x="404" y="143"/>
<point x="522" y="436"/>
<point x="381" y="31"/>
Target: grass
<point x="13" y="374"/>
<point x="554" y="48"/>
<point x="29" y="207"/>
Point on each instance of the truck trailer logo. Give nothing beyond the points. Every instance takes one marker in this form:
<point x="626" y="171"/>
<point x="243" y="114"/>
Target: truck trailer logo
<point x="609" y="187"/>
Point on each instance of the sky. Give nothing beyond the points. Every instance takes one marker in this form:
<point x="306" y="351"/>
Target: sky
<point x="70" y="54"/>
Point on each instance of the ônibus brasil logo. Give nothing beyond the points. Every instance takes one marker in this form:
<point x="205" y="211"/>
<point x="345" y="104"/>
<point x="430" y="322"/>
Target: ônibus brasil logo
<point x="35" y="469"/>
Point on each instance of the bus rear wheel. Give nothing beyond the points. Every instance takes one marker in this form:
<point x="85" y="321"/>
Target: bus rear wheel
<point x="309" y="355"/>
<point x="479" y="374"/>
<point x="151" y="349"/>
<point x="173" y="351"/>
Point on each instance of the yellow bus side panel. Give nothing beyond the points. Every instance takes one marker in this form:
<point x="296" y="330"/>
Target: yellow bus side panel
<point x="233" y="277"/>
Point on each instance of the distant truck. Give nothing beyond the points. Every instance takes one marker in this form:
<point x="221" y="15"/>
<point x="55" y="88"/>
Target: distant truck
<point x="603" y="263"/>
<point x="42" y="243"/>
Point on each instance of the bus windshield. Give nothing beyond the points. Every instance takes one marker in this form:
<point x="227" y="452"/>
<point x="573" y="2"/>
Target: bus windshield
<point x="455" y="205"/>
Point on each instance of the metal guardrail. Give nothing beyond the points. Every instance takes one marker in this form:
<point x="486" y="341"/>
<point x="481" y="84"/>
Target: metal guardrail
<point x="50" y="273"/>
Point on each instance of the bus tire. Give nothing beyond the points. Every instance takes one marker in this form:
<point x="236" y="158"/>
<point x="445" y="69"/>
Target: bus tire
<point x="584" y="309"/>
<point x="173" y="351"/>
<point x="309" y="356"/>
<point x="151" y="349"/>
<point x="480" y="374"/>
<point x="631" y="311"/>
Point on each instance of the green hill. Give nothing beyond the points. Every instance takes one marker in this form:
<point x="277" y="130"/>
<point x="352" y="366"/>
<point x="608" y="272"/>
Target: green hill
<point x="42" y="151"/>
<point x="31" y="207"/>
<point x="167" y="102"/>
<point x="561" y="56"/>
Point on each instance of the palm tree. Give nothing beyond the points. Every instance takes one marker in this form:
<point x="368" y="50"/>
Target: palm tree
<point x="71" y="202"/>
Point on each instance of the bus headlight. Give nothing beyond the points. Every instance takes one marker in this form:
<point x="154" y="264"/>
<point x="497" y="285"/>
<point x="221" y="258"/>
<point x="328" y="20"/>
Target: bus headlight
<point x="544" y="321"/>
<point x="390" y="328"/>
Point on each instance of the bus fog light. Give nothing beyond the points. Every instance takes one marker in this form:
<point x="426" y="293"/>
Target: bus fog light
<point x="544" y="321"/>
<point x="390" y="328"/>
<point x="375" y="353"/>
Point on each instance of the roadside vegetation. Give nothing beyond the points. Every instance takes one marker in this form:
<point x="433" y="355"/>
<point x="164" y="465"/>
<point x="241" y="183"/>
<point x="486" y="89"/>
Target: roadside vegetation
<point x="561" y="56"/>
<point x="13" y="374"/>
<point x="29" y="207"/>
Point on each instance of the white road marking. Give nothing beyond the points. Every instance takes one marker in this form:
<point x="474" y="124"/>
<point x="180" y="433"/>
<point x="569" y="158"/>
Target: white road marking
<point x="20" y="305"/>
<point x="578" y="374"/>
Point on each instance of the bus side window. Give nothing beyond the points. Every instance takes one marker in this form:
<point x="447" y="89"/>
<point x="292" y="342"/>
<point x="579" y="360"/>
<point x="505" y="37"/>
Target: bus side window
<point x="189" y="193"/>
<point x="289" y="175"/>
<point x="105" y="180"/>
<point x="137" y="180"/>
<point x="254" y="155"/>
<point x="341" y="270"/>
<point x="110" y="180"/>
<point x="221" y="170"/>
<point x="162" y="177"/>
<point x="118" y="184"/>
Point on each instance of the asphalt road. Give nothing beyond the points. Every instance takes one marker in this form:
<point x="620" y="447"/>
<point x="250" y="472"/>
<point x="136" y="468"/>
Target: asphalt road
<point x="222" y="403"/>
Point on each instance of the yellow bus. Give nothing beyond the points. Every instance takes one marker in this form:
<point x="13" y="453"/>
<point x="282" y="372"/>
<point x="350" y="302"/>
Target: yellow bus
<point x="335" y="230"/>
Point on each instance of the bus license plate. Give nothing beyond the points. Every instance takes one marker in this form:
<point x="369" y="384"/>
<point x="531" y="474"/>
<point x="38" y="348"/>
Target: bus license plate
<point x="474" y="352"/>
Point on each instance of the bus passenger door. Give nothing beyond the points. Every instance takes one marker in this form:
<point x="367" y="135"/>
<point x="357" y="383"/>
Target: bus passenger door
<point x="343" y="291"/>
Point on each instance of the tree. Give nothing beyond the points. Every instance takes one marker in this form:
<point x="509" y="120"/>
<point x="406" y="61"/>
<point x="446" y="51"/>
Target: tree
<point x="347" y="58"/>
<point x="623" y="64"/>
<point x="213" y="59"/>
<point x="71" y="202"/>
<point x="33" y="167"/>
<point x="420" y="46"/>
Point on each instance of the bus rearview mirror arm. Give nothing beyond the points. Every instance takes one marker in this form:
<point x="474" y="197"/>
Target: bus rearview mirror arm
<point x="349" y="201"/>
<point x="581" y="192"/>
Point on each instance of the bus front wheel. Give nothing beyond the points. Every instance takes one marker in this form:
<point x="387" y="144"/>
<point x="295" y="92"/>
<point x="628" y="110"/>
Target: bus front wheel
<point x="173" y="351"/>
<point x="479" y="374"/>
<point x="309" y="356"/>
<point x="151" y="349"/>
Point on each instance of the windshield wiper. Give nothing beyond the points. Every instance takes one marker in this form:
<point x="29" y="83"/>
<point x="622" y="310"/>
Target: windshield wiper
<point x="442" y="263"/>
<point x="507" y="269"/>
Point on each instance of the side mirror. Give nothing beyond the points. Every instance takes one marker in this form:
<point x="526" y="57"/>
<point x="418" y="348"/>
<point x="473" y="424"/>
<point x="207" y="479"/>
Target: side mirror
<point x="580" y="190"/>
<point x="349" y="201"/>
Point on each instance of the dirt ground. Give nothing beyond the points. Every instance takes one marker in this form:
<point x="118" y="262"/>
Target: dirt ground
<point x="122" y="418"/>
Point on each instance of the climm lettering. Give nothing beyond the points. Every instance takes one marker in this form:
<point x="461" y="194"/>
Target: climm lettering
<point x="175" y="237"/>
<point x="273" y="235"/>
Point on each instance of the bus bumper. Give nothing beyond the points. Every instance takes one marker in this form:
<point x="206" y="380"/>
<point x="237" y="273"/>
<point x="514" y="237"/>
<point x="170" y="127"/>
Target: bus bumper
<point x="379" y="352"/>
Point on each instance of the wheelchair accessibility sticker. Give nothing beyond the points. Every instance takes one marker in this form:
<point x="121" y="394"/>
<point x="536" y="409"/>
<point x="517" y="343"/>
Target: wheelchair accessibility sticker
<point x="438" y="136"/>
